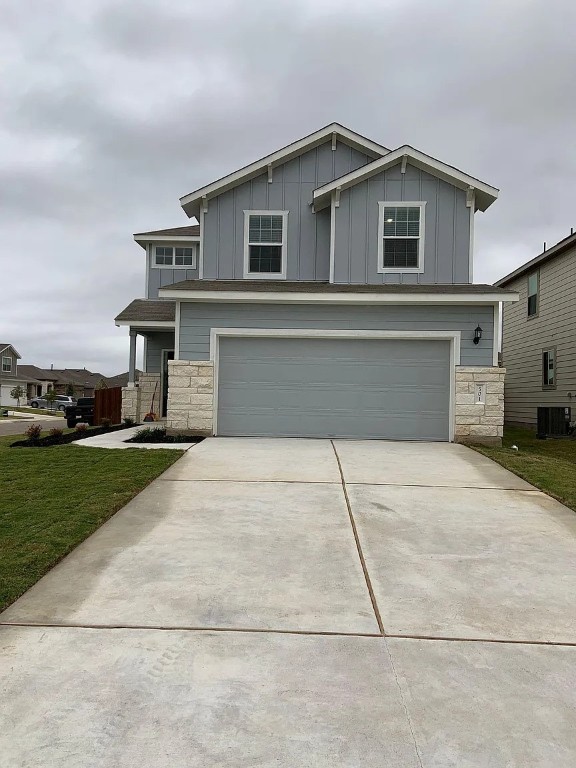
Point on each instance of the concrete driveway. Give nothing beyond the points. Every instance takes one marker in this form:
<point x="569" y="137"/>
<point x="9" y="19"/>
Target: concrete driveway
<point x="297" y="603"/>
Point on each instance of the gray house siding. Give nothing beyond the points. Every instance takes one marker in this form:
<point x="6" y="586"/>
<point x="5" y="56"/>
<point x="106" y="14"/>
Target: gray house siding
<point x="446" y="234"/>
<point x="524" y="340"/>
<point x="196" y="321"/>
<point x="308" y="234"/>
<point x="12" y="373"/>
<point x="159" y="277"/>
<point x="156" y="343"/>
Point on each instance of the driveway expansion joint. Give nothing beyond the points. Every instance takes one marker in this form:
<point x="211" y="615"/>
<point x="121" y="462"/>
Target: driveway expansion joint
<point x="358" y="545"/>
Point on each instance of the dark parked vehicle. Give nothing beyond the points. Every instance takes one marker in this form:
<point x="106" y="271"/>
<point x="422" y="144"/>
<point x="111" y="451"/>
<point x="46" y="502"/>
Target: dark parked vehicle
<point x="58" y="405"/>
<point x="81" y="411"/>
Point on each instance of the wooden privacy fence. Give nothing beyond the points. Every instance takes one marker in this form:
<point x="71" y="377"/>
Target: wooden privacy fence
<point x="108" y="405"/>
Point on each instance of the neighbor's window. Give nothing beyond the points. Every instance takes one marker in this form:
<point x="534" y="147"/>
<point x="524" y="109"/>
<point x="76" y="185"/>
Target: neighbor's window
<point x="401" y="237"/>
<point x="6" y="364"/>
<point x="533" y="286"/>
<point x="169" y="256"/>
<point x="549" y="367"/>
<point x="265" y="244"/>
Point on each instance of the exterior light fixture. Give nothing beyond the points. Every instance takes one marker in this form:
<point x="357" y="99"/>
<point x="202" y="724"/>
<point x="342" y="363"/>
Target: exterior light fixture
<point x="477" y="334"/>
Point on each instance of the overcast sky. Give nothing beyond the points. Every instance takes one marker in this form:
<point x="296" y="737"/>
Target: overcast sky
<point x="111" y="111"/>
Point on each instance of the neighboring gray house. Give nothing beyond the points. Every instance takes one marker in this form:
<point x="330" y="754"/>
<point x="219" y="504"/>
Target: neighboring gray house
<point x="325" y="292"/>
<point x="539" y="337"/>
<point x="10" y="376"/>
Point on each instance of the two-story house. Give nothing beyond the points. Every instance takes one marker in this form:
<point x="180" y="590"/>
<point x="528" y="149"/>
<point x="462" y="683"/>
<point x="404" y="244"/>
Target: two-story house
<point x="539" y="339"/>
<point x="325" y="291"/>
<point x="10" y="376"/>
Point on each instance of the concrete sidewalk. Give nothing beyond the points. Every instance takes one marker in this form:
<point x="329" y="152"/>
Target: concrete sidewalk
<point x="305" y="603"/>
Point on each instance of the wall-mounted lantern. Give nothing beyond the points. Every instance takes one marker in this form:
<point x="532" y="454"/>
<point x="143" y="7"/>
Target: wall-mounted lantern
<point x="477" y="334"/>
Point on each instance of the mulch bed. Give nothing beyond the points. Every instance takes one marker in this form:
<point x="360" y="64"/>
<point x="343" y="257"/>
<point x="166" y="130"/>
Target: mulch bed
<point x="158" y="435"/>
<point x="69" y="437"/>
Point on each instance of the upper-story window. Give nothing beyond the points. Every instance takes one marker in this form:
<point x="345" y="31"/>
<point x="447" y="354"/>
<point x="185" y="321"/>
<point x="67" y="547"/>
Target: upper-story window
<point x="174" y="256"/>
<point x="265" y="244"/>
<point x="401" y="237"/>
<point x="6" y="364"/>
<point x="533" y="293"/>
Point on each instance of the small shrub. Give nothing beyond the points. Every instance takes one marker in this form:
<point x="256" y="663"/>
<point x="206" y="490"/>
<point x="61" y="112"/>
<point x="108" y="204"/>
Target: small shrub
<point x="105" y="422"/>
<point x="33" y="432"/>
<point x="81" y="428"/>
<point x="129" y="422"/>
<point x="56" y="432"/>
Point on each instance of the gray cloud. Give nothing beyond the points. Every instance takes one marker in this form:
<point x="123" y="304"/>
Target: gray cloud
<point x="112" y="111"/>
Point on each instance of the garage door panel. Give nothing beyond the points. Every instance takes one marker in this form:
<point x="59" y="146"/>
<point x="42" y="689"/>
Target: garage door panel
<point x="394" y="389"/>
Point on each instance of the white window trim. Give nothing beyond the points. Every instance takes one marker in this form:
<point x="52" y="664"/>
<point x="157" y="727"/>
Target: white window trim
<point x="403" y="204"/>
<point x="454" y="337"/>
<point x="175" y="266"/>
<point x="265" y="275"/>
<point x="6" y="370"/>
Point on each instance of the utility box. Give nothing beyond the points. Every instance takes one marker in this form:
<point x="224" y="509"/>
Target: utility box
<point x="553" y="421"/>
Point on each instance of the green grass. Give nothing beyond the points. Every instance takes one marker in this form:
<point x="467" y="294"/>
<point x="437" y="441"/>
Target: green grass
<point x="548" y="464"/>
<point x="51" y="499"/>
<point x="38" y="411"/>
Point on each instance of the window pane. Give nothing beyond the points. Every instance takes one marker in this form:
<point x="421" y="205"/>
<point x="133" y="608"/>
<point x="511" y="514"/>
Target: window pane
<point x="266" y="258"/>
<point x="533" y="284"/>
<point x="548" y="368"/>
<point x="401" y="253"/>
<point x="265" y="229"/>
<point x="183" y="257"/>
<point x="401" y="222"/>
<point x="532" y="305"/>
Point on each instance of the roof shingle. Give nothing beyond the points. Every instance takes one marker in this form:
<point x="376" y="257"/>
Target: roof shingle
<point x="148" y="310"/>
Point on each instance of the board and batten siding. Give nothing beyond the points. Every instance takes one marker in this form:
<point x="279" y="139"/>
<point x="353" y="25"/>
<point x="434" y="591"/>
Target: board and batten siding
<point x="197" y="319"/>
<point x="293" y="182"/>
<point x="524" y="340"/>
<point x="156" y="343"/>
<point x="158" y="277"/>
<point x="446" y="228"/>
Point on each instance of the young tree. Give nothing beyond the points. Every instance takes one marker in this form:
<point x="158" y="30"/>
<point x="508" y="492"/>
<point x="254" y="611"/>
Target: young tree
<point x="17" y="393"/>
<point x="50" y="397"/>
<point x="70" y="390"/>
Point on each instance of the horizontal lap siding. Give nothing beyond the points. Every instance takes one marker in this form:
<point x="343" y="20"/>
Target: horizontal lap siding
<point x="156" y="343"/>
<point x="524" y="340"/>
<point x="198" y="319"/>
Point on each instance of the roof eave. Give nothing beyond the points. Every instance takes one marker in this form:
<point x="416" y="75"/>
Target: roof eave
<point x="191" y="203"/>
<point x="556" y="250"/>
<point x="484" y="194"/>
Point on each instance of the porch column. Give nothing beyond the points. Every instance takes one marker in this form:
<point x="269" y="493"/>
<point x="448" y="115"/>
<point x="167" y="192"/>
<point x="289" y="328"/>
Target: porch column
<point x="132" y="361"/>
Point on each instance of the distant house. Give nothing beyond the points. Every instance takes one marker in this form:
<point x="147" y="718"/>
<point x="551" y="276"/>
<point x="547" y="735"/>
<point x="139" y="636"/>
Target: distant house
<point x="10" y="375"/>
<point x="539" y="338"/>
<point x="37" y="381"/>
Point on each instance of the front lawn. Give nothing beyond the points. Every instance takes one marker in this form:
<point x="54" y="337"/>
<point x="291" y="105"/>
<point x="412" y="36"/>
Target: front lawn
<point x="548" y="464"/>
<point x="51" y="499"/>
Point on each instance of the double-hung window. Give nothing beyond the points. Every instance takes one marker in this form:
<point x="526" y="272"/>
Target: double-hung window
<point x="6" y="364"/>
<point x="549" y="368"/>
<point x="533" y="291"/>
<point x="265" y="244"/>
<point x="401" y="237"/>
<point x="174" y="256"/>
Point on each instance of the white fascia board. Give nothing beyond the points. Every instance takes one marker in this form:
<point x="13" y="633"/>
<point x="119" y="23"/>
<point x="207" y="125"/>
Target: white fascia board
<point x="148" y="324"/>
<point x="167" y="238"/>
<point x="191" y="202"/>
<point x="260" y="297"/>
<point x="484" y="193"/>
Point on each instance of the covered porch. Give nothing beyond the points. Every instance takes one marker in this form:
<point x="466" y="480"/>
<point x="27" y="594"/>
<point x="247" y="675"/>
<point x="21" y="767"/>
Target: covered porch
<point x="154" y="321"/>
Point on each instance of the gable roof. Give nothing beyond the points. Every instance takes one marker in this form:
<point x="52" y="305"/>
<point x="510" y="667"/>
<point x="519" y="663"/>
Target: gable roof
<point x="4" y="346"/>
<point x="191" y="202"/>
<point x="147" y="311"/>
<point x="190" y="232"/>
<point x="556" y="250"/>
<point x="484" y="194"/>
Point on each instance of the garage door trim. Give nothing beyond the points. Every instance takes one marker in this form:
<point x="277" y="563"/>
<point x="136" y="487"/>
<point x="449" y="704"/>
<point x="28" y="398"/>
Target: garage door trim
<point x="454" y="337"/>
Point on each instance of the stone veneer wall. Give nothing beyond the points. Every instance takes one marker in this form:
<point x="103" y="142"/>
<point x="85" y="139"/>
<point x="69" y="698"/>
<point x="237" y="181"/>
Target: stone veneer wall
<point x="479" y="422"/>
<point x="190" y="396"/>
<point x="137" y="401"/>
